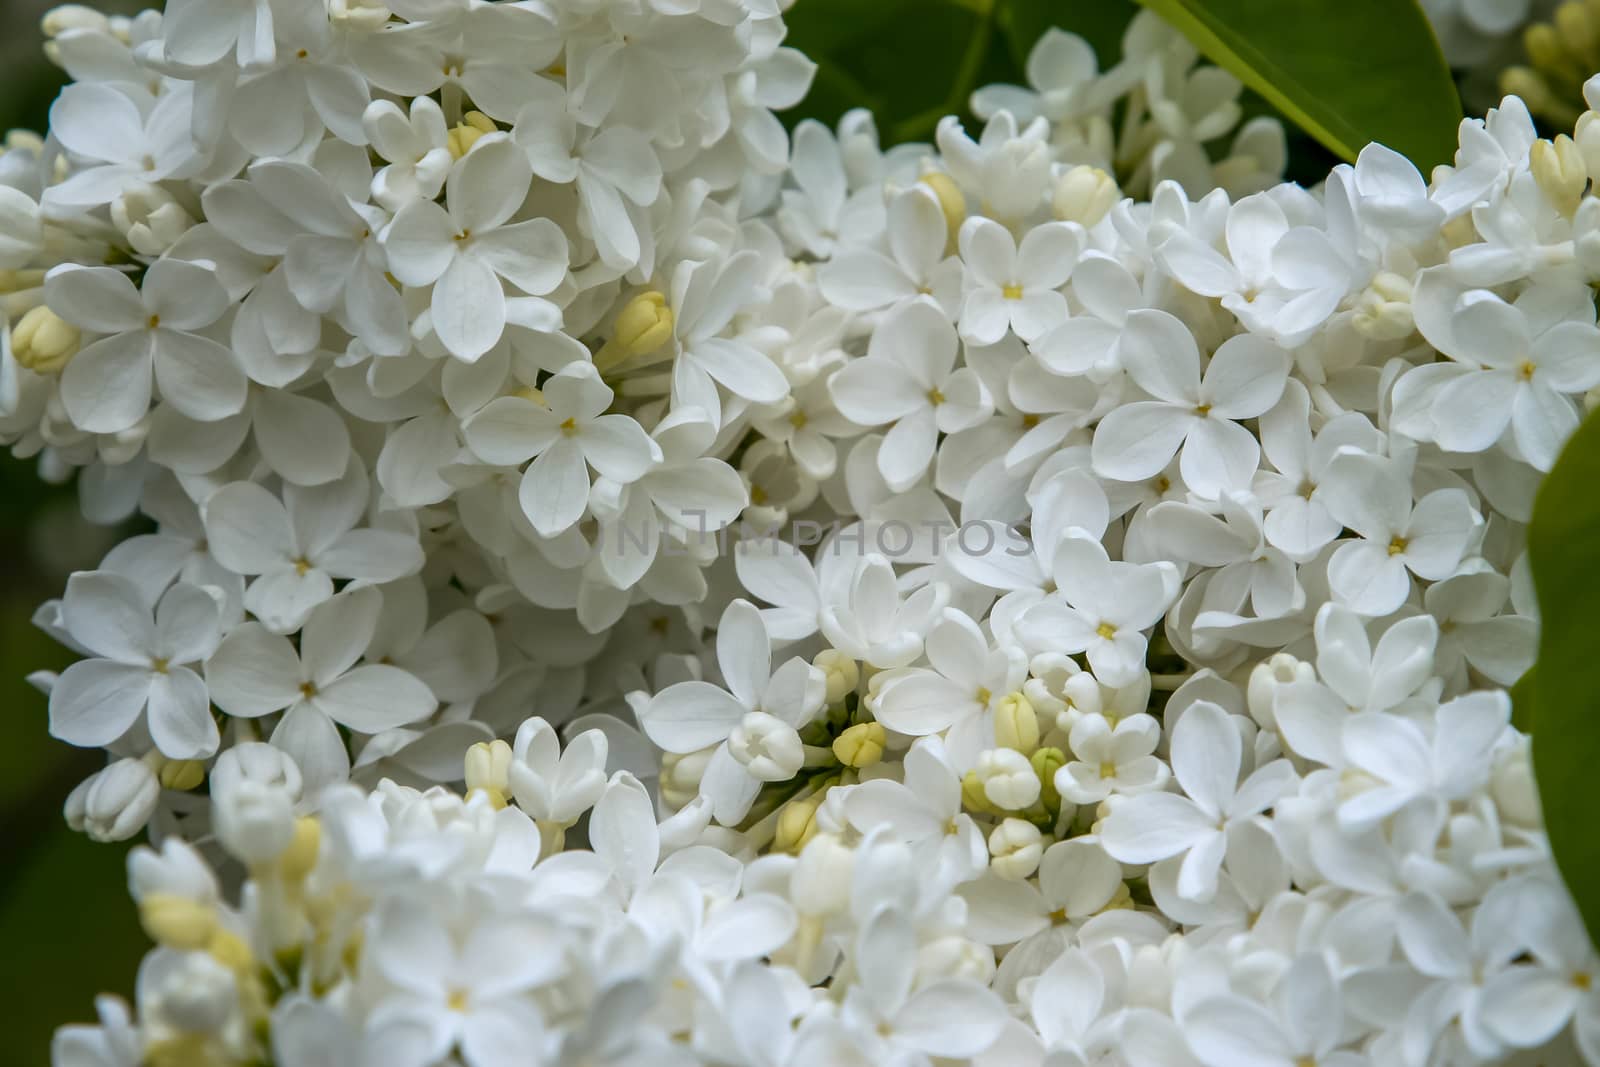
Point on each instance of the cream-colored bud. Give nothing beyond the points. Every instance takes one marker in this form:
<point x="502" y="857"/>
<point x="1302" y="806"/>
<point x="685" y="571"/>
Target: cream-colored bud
<point x="680" y="775"/>
<point x="1586" y="135"/>
<point x="1009" y="781"/>
<point x="1383" y="310"/>
<point x="1016" y="724"/>
<point x="1084" y="194"/>
<point x="1267" y="679"/>
<point x="843" y="673"/>
<point x="20" y="281"/>
<point x="953" y="956"/>
<point x="642" y="326"/>
<point x="531" y="392"/>
<point x="1559" y="170"/>
<point x="177" y="922"/>
<point x="952" y="201"/>
<point x="182" y="774"/>
<point x="300" y="858"/>
<point x="360" y="15"/>
<point x="43" y="341"/>
<point x="1513" y="787"/>
<point x="1015" y="848"/>
<point x="861" y="745"/>
<point x="488" y="770"/>
<point x="797" y="824"/>
<point x="59" y="20"/>
<point x="468" y="132"/>
<point x="150" y="218"/>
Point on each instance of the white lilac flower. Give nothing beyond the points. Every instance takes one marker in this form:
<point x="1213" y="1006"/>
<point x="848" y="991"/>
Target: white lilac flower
<point x="1133" y="544"/>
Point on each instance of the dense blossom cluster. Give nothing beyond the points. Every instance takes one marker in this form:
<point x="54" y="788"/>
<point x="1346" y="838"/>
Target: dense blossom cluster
<point x="631" y="586"/>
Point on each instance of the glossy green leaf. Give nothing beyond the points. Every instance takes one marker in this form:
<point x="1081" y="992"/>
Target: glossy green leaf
<point x="1562" y="543"/>
<point x="1346" y="71"/>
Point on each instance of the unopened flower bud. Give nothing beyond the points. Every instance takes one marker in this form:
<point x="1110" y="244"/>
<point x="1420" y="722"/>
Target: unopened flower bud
<point x="1383" y="310"/>
<point x="953" y="956"/>
<point x="797" y="823"/>
<point x="842" y="672"/>
<point x="116" y="802"/>
<point x="59" y="20"/>
<point x="1084" y="194"/>
<point x="1009" y="781"/>
<point x="952" y="201"/>
<point x="177" y="922"/>
<point x="150" y="218"/>
<point x="1267" y="679"/>
<point x="254" y="821"/>
<point x="182" y="774"/>
<point x="1586" y="135"/>
<point x="1513" y="787"/>
<point x="359" y="15"/>
<point x="1015" y="848"/>
<point x="300" y="858"/>
<point x="197" y="996"/>
<point x="861" y="745"/>
<point x="488" y="770"/>
<point x="1558" y="168"/>
<point x="43" y="341"/>
<point x="643" y="325"/>
<point x="1046" y="762"/>
<point x="680" y="775"/>
<point x="473" y="127"/>
<point x="1016" y="725"/>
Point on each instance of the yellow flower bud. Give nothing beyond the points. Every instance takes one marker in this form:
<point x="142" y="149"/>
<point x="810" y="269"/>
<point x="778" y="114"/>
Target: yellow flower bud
<point x="952" y="201"/>
<point x="16" y="281"/>
<point x="1046" y="762"/>
<point x="843" y="673"/>
<point x="473" y="126"/>
<point x="797" y="823"/>
<point x="643" y="325"/>
<point x="1084" y="194"/>
<point x="1559" y="170"/>
<point x="182" y="775"/>
<point x="973" y="795"/>
<point x="861" y="745"/>
<point x="1016" y="724"/>
<point x="177" y="922"/>
<point x="230" y="950"/>
<point x="300" y="857"/>
<point x="43" y="341"/>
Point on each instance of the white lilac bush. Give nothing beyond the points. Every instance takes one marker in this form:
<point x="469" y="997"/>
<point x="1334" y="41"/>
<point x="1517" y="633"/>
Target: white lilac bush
<point x="628" y="585"/>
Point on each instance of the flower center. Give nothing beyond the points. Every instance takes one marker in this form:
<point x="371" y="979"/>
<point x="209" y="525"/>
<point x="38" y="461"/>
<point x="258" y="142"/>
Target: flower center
<point x="1106" y="631"/>
<point x="1011" y="291"/>
<point x="570" y="426"/>
<point x="1397" y="545"/>
<point x="935" y="397"/>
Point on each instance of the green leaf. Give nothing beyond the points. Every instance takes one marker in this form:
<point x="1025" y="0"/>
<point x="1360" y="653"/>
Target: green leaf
<point x="1562" y="542"/>
<point x="1523" y="694"/>
<point x="1346" y="71"/>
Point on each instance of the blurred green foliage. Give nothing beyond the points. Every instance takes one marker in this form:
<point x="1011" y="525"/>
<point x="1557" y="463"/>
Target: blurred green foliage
<point x="1564" y="702"/>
